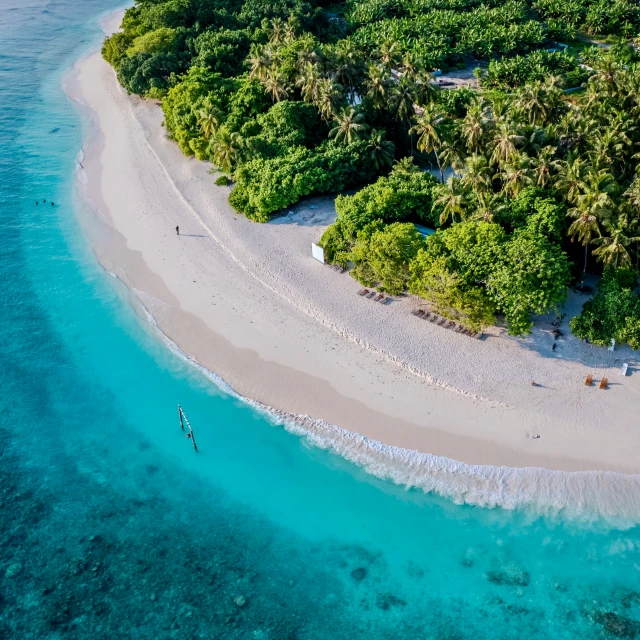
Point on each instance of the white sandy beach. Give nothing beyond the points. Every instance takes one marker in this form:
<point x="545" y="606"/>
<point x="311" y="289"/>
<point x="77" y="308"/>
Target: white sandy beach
<point x="248" y="302"/>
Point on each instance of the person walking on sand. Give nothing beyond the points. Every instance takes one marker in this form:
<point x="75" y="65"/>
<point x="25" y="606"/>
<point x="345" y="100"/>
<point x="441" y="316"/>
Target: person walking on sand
<point x="177" y="230"/>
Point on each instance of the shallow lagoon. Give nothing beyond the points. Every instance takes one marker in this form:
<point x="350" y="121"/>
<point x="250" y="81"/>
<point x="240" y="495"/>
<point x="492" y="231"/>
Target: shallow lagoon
<point x="112" y="527"/>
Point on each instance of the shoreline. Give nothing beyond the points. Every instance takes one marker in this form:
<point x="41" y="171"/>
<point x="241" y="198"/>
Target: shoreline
<point x="269" y="343"/>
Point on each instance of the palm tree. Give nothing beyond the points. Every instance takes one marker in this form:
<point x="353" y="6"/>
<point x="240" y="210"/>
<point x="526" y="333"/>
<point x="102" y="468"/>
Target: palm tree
<point x="531" y="100"/>
<point x="451" y="154"/>
<point x="489" y="205"/>
<point x="259" y="61"/>
<point x="451" y="196"/>
<point x="474" y="126"/>
<point x="275" y="84"/>
<point x="412" y="66"/>
<point x="516" y="174"/>
<point x="380" y="150"/>
<point x="389" y="53"/>
<point x="543" y="165"/>
<point x="350" y="126"/>
<point x="346" y="66"/>
<point x="613" y="248"/>
<point x="405" y="166"/>
<point x="377" y="84"/>
<point x="329" y="98"/>
<point x="593" y="205"/>
<point x="309" y="82"/>
<point x="224" y="147"/>
<point x="402" y="100"/>
<point x="476" y="174"/>
<point x="430" y="129"/>
<point x="633" y="193"/>
<point x="607" y="147"/>
<point x="505" y="141"/>
<point x="208" y="119"/>
<point x="571" y="175"/>
<point x="277" y="34"/>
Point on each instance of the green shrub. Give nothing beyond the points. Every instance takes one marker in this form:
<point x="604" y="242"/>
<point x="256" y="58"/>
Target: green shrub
<point x="264" y="186"/>
<point x="222" y="181"/>
<point x="613" y="312"/>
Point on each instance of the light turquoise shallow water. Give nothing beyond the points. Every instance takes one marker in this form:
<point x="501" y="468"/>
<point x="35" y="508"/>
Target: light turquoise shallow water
<point x="111" y="526"/>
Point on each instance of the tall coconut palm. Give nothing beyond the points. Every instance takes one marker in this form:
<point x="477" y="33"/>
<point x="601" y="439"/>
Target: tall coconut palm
<point x="592" y="206"/>
<point x="405" y="166"/>
<point x="380" y="150"/>
<point x="350" y="126"/>
<point x="224" y="147"/>
<point x="543" y="166"/>
<point x="571" y="177"/>
<point x="429" y="128"/>
<point x="451" y="197"/>
<point x="402" y="101"/>
<point x="531" y="100"/>
<point x="346" y="66"/>
<point x="276" y="84"/>
<point x="208" y="119"/>
<point x="476" y="174"/>
<point x="451" y="153"/>
<point x="613" y="246"/>
<point x="277" y="31"/>
<point x="474" y="126"/>
<point x="516" y="174"/>
<point x="259" y="61"/>
<point x="329" y="98"/>
<point x="505" y="141"/>
<point x="377" y="84"/>
<point x="412" y="66"/>
<point x="489" y="206"/>
<point x="309" y="81"/>
<point x="607" y="148"/>
<point x="389" y="53"/>
<point x="632" y="194"/>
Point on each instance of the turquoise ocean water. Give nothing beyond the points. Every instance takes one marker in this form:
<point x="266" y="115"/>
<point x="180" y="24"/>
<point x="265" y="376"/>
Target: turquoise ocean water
<point x="112" y="527"/>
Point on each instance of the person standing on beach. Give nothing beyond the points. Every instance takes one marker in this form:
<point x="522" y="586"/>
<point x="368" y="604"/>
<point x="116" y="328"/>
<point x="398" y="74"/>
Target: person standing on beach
<point x="177" y="230"/>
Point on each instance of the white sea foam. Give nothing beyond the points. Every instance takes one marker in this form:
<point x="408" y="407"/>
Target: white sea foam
<point x="586" y="496"/>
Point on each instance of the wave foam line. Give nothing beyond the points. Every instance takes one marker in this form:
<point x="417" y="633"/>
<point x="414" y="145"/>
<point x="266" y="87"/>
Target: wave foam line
<point x="585" y="496"/>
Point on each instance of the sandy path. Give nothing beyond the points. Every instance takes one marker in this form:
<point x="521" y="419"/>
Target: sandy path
<point x="248" y="302"/>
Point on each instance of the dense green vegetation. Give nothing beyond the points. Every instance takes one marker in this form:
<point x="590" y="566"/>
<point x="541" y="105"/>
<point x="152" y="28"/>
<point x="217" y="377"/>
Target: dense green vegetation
<point x="613" y="313"/>
<point x="300" y="97"/>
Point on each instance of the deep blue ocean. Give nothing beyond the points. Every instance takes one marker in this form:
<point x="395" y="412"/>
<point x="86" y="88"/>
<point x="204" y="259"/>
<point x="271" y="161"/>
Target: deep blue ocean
<point x="112" y="527"/>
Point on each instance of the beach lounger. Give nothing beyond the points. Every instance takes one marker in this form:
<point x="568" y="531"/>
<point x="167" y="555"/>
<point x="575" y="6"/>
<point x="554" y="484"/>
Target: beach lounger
<point x="588" y="381"/>
<point x="426" y="316"/>
<point x="442" y="322"/>
<point x="378" y="297"/>
<point x="460" y="329"/>
<point x="624" y="369"/>
<point x="418" y="312"/>
<point x="451" y="324"/>
<point x="363" y="291"/>
<point x="603" y="383"/>
<point x="478" y="335"/>
<point x="370" y="295"/>
<point x="434" y="318"/>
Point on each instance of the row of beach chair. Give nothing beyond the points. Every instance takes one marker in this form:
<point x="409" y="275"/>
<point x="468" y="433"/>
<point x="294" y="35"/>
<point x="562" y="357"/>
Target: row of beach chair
<point x="373" y="295"/>
<point x="446" y="323"/>
<point x="603" y="383"/>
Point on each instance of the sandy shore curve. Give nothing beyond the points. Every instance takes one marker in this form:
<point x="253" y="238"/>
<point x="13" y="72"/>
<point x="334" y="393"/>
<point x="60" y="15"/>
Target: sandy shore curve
<point x="249" y="303"/>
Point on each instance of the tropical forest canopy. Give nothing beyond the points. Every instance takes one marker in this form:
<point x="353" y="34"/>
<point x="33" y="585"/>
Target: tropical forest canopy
<point x="300" y="97"/>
